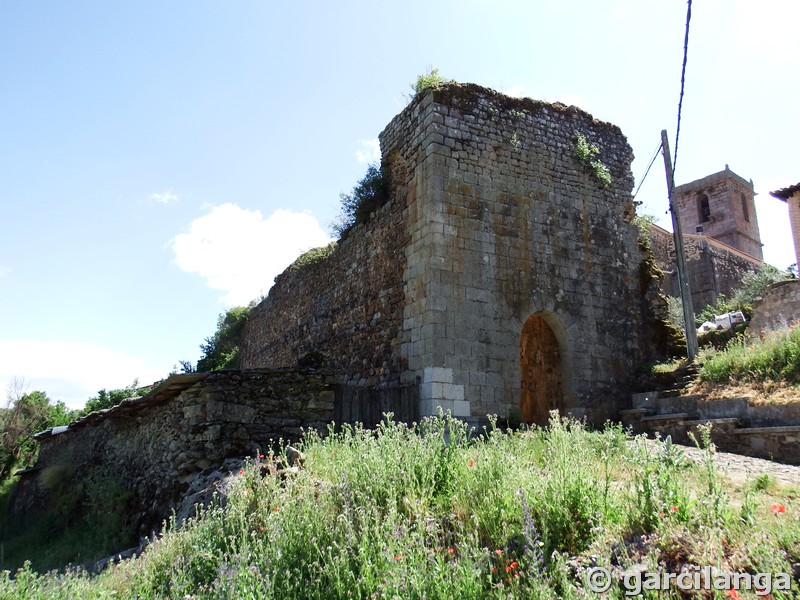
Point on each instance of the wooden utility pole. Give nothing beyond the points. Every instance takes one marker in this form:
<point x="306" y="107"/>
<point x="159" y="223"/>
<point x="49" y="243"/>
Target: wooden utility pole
<point x="683" y="278"/>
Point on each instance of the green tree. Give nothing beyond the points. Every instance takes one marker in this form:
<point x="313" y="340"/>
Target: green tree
<point x="754" y="284"/>
<point x="368" y="195"/>
<point x="108" y="398"/>
<point x="27" y="414"/>
<point x="221" y="351"/>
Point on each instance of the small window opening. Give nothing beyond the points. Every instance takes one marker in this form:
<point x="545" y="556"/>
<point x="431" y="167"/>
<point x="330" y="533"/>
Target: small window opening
<point x="745" y="210"/>
<point x="703" y="208"/>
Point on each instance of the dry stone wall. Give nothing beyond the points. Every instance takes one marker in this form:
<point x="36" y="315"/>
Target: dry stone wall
<point x="157" y="445"/>
<point x="779" y="307"/>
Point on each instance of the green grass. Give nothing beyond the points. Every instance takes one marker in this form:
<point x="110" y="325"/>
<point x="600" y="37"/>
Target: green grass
<point x="769" y="356"/>
<point x="429" y="512"/>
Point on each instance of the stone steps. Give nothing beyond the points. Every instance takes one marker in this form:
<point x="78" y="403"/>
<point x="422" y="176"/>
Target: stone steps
<point x="732" y="430"/>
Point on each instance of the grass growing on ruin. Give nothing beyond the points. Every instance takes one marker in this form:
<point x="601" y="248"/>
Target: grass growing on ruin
<point x="772" y="356"/>
<point x="428" y="512"/>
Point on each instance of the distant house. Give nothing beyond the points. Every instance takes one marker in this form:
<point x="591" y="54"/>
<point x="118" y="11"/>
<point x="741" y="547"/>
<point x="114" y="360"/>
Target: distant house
<point x="791" y="195"/>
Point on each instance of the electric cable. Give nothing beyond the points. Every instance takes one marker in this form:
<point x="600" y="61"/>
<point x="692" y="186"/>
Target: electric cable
<point x="683" y="84"/>
<point x="655" y="156"/>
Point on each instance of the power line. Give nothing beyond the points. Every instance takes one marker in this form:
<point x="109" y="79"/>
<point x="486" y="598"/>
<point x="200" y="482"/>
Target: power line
<point x="655" y="156"/>
<point x="683" y="83"/>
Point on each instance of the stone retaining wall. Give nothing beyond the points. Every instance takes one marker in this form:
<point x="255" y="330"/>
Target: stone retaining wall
<point x="779" y="307"/>
<point x="156" y="445"/>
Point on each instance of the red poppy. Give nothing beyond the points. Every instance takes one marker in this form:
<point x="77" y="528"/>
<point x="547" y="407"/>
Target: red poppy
<point x="498" y="552"/>
<point x="514" y="565"/>
<point x="397" y="557"/>
<point x="470" y="463"/>
<point x="451" y="550"/>
<point x="733" y="594"/>
<point x="508" y="569"/>
<point x="778" y="508"/>
<point x="674" y="509"/>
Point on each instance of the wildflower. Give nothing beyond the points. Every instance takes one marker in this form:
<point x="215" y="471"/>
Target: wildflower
<point x="470" y="463"/>
<point x="732" y="593"/>
<point x="260" y="456"/>
<point x="451" y="550"/>
<point x="397" y="557"/>
<point x="778" y="508"/>
<point x="499" y="552"/>
<point x="261" y="528"/>
<point x="241" y="471"/>
<point x="509" y="569"/>
<point x="248" y="490"/>
<point x="276" y="509"/>
<point x="674" y="509"/>
<point x="514" y="564"/>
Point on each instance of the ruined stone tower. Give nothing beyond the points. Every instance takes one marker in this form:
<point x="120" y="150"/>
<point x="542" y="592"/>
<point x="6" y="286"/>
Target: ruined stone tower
<point x="721" y="206"/>
<point x="503" y="276"/>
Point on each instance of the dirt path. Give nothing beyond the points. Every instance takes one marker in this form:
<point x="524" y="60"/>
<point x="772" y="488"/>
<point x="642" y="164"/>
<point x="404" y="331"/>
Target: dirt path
<point x="742" y="468"/>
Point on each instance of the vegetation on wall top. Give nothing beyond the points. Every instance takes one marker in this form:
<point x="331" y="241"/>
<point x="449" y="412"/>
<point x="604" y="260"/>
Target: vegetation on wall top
<point x="587" y="153"/>
<point x="368" y="195"/>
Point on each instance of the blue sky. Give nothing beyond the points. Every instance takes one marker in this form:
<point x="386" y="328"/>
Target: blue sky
<point x="161" y="161"/>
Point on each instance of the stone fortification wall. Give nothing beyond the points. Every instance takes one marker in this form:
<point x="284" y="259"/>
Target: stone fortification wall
<point x="347" y="307"/>
<point x="508" y="223"/>
<point x="156" y="445"/>
<point x="714" y="268"/>
<point x="779" y="307"/>
<point x="493" y="219"/>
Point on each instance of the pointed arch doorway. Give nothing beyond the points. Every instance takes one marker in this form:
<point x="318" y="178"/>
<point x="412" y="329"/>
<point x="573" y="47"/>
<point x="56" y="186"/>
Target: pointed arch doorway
<point x="541" y="385"/>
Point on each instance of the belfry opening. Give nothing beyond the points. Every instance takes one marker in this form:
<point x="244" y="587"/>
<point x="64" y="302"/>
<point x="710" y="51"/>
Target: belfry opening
<point x="541" y="385"/>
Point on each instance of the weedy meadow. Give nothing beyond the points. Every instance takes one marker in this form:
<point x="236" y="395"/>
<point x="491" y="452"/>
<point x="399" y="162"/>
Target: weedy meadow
<point x="430" y="511"/>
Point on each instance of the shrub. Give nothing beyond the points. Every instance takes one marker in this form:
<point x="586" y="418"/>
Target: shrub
<point x="368" y="195"/>
<point x="311" y="257"/>
<point x="429" y="80"/>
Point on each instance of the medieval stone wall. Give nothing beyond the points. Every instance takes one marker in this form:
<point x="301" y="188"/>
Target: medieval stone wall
<point x="509" y="223"/>
<point x="347" y="307"/>
<point x="493" y="219"/>
<point x="156" y="445"/>
<point x="713" y="267"/>
<point x="779" y="307"/>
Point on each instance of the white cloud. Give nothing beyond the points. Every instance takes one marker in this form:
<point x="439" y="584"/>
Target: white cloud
<point x="69" y="371"/>
<point x="167" y="197"/>
<point x="515" y="91"/>
<point x="240" y="252"/>
<point x="370" y="151"/>
<point x="4" y="271"/>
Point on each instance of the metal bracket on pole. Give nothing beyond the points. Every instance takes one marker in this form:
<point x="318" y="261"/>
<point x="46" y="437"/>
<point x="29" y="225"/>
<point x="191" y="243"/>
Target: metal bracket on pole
<point x="683" y="279"/>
